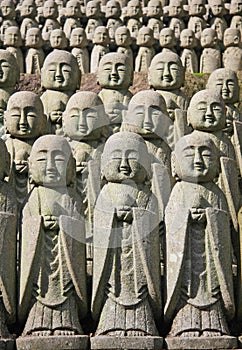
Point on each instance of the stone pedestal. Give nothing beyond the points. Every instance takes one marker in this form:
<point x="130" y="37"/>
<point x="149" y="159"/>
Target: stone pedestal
<point x="7" y="344"/>
<point x="127" y="343"/>
<point x="209" y="343"/>
<point x="76" y="342"/>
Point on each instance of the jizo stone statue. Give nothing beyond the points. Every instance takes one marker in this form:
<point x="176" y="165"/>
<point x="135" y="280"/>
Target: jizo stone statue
<point x="167" y="40"/>
<point x="232" y="56"/>
<point x="145" y="41"/>
<point x="126" y="278"/>
<point x="35" y="55"/>
<point x="25" y="121"/>
<point x="123" y="41"/>
<point x="188" y="42"/>
<point x="13" y="43"/>
<point x="73" y="14"/>
<point x="101" y="42"/>
<point x="198" y="250"/>
<point x="211" y="54"/>
<point x="58" y="39"/>
<point x="115" y="76"/>
<point x="52" y="275"/>
<point x="8" y="16"/>
<point x="28" y="12"/>
<point x="79" y="42"/>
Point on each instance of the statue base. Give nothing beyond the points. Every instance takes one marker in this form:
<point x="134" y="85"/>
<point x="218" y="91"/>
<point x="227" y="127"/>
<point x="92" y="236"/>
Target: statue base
<point x="209" y="343"/>
<point x="105" y="342"/>
<point x="7" y="344"/>
<point x="75" y="342"/>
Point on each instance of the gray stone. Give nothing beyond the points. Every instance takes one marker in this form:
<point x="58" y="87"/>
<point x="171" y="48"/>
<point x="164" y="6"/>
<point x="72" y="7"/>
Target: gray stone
<point x="77" y="342"/>
<point x="199" y="343"/>
<point x="126" y="343"/>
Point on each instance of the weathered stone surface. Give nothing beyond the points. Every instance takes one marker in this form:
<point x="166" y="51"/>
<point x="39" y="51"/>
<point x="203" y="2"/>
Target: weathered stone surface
<point x="198" y="343"/>
<point x="127" y="343"/>
<point x="77" y="342"/>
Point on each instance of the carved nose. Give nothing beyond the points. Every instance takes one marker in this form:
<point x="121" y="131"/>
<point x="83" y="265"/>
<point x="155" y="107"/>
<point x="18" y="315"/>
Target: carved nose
<point x="166" y="71"/>
<point x="23" y="119"/>
<point x="197" y="158"/>
<point x="124" y="165"/>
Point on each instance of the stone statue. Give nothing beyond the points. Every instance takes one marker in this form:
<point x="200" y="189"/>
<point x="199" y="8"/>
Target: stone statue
<point x="115" y="76"/>
<point x="9" y="74"/>
<point x="79" y="42"/>
<point x="123" y="41"/>
<point x="101" y="41"/>
<point x="60" y="76"/>
<point x="58" y="39"/>
<point x="145" y="42"/>
<point x="177" y="25"/>
<point x="211" y="55"/>
<point x="235" y="7"/>
<point x="50" y="13"/>
<point x="197" y="8"/>
<point x="147" y="116"/>
<point x="236" y="23"/>
<point x="232" y="56"/>
<point x="154" y="9"/>
<point x="28" y="13"/>
<point x="200" y="297"/>
<point x="134" y="9"/>
<point x="35" y="56"/>
<point x="217" y="21"/>
<point x="156" y="25"/>
<point x="166" y="75"/>
<point x="189" y="59"/>
<point x="112" y="14"/>
<point x="8" y="231"/>
<point x="52" y="267"/>
<point x="207" y="113"/>
<point x="93" y="12"/>
<point x="219" y="24"/>
<point x="197" y="25"/>
<point x="167" y="40"/>
<point x="8" y="14"/>
<point x="176" y="9"/>
<point x="25" y="122"/>
<point x="126" y="299"/>
<point x="73" y="13"/>
<point x="134" y="25"/>
<point x="85" y="125"/>
<point x="225" y="81"/>
<point x="13" y="42"/>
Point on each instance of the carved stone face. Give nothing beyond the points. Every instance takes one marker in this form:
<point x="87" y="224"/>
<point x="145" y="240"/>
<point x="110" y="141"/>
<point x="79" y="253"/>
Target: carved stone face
<point x="177" y="26"/>
<point x="12" y="37"/>
<point x="167" y="38"/>
<point x="113" y="9"/>
<point x="49" y="161"/>
<point x="122" y="37"/>
<point x="101" y="36"/>
<point x="197" y="8"/>
<point x="78" y="38"/>
<point x="28" y="9"/>
<point x="124" y="159"/>
<point x="73" y="9"/>
<point x="58" y="39"/>
<point x="133" y="25"/>
<point x="166" y="72"/>
<point x="225" y="82"/>
<point x="217" y="7"/>
<point x="147" y="111"/>
<point x="207" y="111"/>
<point x="236" y="23"/>
<point x="7" y="9"/>
<point x="156" y="25"/>
<point x="154" y="9"/>
<point x="187" y="38"/>
<point x="33" y="38"/>
<point x="50" y="9"/>
<point x="145" y="37"/>
<point x="8" y="70"/>
<point x="231" y="37"/>
<point x="60" y="71"/>
<point x="134" y="9"/>
<point x="114" y="71"/>
<point x="25" y="117"/>
<point x="175" y="9"/>
<point x="208" y="37"/>
<point x="235" y="7"/>
<point x="92" y="9"/>
<point x="196" y="158"/>
<point x="83" y="115"/>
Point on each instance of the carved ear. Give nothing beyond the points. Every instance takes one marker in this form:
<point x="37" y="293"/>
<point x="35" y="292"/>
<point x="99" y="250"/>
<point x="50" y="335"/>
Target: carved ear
<point x="188" y="117"/>
<point x="173" y="164"/>
<point x="236" y="40"/>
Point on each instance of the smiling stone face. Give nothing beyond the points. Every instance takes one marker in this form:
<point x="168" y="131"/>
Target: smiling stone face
<point x="206" y="111"/>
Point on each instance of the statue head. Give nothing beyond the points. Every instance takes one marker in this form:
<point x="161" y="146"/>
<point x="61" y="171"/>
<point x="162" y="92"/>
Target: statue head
<point x="177" y="25"/>
<point x="123" y="37"/>
<point x="145" y="37"/>
<point x="197" y="8"/>
<point x="147" y="114"/>
<point x="51" y="163"/>
<point x="217" y="7"/>
<point x="236" y="23"/>
<point x="24" y="117"/>
<point x="175" y="8"/>
<point x="133" y="25"/>
<point x="84" y="117"/>
<point x="101" y="36"/>
<point x="187" y="39"/>
<point x="167" y="38"/>
<point x="134" y="9"/>
<point x="50" y="9"/>
<point x="208" y="38"/>
<point x="156" y="25"/>
<point x="154" y="9"/>
<point x="73" y="9"/>
<point x="225" y="81"/>
<point x="197" y="25"/>
<point x="12" y="37"/>
<point x="60" y="71"/>
<point x="125" y="159"/>
<point x="166" y="72"/>
<point x="93" y="9"/>
<point x="28" y="9"/>
<point x="113" y="9"/>
<point x="78" y="38"/>
<point x="115" y="71"/>
<point x="232" y="37"/>
<point x="33" y="38"/>
<point x="235" y="7"/>
<point x="195" y="158"/>
<point x="8" y="9"/>
<point x="58" y="39"/>
<point x="207" y="111"/>
<point x="9" y="70"/>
